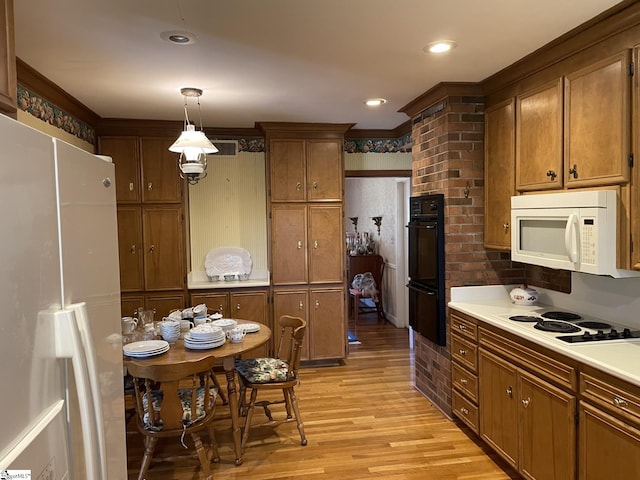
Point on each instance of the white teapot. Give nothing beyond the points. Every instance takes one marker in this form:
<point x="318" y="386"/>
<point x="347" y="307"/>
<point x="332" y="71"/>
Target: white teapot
<point x="523" y="295"/>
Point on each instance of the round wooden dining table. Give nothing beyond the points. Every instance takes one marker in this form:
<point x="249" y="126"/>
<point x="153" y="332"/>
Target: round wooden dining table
<point x="178" y="355"/>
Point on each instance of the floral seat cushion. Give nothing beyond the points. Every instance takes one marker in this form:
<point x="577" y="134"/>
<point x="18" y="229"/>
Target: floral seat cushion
<point x="263" y="370"/>
<point x="185" y="400"/>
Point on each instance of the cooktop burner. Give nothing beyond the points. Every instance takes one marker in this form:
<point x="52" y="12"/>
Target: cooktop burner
<point x="524" y="318"/>
<point x="594" y="325"/>
<point x="566" y="316"/>
<point x="553" y="326"/>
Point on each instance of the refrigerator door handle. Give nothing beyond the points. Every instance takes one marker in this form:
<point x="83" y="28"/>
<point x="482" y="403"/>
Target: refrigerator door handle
<point x="71" y="328"/>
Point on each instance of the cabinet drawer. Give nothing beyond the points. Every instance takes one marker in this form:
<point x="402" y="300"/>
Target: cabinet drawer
<point x="465" y="411"/>
<point x="464" y="327"/>
<point x="464" y="352"/>
<point x="538" y="363"/>
<point x="465" y="382"/>
<point x="614" y="398"/>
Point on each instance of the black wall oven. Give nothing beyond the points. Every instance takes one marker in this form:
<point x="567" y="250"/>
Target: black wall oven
<point x="426" y="267"/>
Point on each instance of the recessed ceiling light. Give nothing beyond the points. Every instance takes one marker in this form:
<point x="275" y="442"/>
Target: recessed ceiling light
<point x="375" y="102"/>
<point x="179" y="37"/>
<point x="441" y="46"/>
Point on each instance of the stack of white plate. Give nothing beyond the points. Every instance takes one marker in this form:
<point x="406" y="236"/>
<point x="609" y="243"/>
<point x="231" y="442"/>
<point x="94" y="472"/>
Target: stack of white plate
<point x="225" y="324"/>
<point x="204" y="337"/>
<point x="170" y="330"/>
<point x="146" y="348"/>
<point x="250" y="327"/>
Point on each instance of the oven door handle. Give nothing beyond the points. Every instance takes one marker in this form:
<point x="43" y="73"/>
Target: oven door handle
<point x="430" y="226"/>
<point x="421" y="289"/>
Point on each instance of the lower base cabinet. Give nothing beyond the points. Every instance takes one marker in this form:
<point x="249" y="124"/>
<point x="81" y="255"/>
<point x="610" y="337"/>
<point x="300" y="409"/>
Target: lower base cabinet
<point x="162" y="303"/>
<point x="324" y="311"/>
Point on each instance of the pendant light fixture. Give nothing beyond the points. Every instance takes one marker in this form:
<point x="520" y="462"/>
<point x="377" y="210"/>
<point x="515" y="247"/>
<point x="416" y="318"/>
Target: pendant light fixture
<point x="192" y="145"/>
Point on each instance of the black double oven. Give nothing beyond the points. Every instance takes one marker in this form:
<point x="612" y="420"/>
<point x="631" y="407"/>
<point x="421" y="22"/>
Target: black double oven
<point x="426" y="267"/>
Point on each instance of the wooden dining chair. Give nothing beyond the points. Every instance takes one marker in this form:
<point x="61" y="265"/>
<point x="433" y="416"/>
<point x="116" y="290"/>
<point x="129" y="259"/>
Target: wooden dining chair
<point x="361" y="264"/>
<point x="174" y="401"/>
<point x="277" y="373"/>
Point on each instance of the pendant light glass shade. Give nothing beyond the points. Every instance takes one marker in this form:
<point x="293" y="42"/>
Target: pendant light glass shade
<point x="193" y="147"/>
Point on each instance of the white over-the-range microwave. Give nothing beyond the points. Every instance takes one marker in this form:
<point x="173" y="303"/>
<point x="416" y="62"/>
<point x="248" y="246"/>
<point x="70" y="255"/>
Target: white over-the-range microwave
<point x="573" y="230"/>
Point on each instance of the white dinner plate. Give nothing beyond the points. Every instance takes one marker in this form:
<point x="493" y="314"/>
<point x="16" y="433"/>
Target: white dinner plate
<point x="148" y="354"/>
<point x="145" y="346"/>
<point x="227" y="260"/>
<point x="250" y="327"/>
<point x="188" y="338"/>
<point x="203" y="346"/>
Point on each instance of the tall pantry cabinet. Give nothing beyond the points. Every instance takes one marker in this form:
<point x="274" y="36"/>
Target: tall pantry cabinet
<point x="306" y="193"/>
<point x="151" y="240"/>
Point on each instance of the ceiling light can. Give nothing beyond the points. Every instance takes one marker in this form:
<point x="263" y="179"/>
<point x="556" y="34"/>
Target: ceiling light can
<point x="375" y="102"/>
<point x="440" y="46"/>
<point x="178" y="37"/>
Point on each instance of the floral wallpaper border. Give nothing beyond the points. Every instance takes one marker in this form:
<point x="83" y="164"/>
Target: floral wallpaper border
<point x="53" y="115"/>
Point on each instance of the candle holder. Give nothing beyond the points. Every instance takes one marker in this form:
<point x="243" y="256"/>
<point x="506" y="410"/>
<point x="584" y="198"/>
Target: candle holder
<point x="378" y="222"/>
<point x="354" y="220"/>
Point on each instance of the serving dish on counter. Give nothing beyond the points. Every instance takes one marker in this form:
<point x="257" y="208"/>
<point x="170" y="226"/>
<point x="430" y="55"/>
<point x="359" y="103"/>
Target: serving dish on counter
<point x="228" y="263"/>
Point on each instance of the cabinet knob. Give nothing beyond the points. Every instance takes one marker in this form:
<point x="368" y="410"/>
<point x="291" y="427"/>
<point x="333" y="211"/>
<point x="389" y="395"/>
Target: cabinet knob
<point x="133" y="249"/>
<point x="315" y="244"/>
<point x="131" y="186"/>
<point x="505" y="225"/>
<point x="620" y="402"/>
<point x="464" y="411"/>
<point x="552" y="174"/>
<point x="149" y="186"/>
<point x="574" y="171"/>
<point x="299" y="244"/>
<point x="315" y="185"/>
<point x="152" y="248"/>
<point x="298" y="186"/>
<point x="463" y="381"/>
<point x="317" y="304"/>
<point x="510" y="391"/>
<point x="301" y="305"/>
<point x="462" y="327"/>
<point x="220" y="309"/>
<point x="525" y="402"/>
<point x="238" y="307"/>
<point x="462" y="351"/>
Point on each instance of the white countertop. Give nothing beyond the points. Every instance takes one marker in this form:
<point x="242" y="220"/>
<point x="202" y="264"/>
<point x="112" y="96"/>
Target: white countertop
<point x="198" y="280"/>
<point x="491" y="304"/>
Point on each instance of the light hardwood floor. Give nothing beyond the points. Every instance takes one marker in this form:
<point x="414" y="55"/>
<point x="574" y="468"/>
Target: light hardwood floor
<point x="363" y="420"/>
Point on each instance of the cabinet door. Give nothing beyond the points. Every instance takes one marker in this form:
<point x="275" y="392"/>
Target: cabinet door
<point x="289" y="244"/>
<point x="597" y="123"/>
<point x="547" y="430"/>
<point x="163" y="248"/>
<point x="130" y="249"/>
<point x="326" y="327"/>
<point x="608" y="447"/>
<point x="326" y="245"/>
<point x="498" y="406"/>
<point x="124" y="151"/>
<point x="251" y="306"/>
<point x="215" y="302"/>
<point x="499" y="174"/>
<point x="161" y="180"/>
<point x="294" y="303"/>
<point x="129" y="304"/>
<point x="287" y="170"/>
<point x="325" y="170"/>
<point x="164" y="303"/>
<point x="539" y="138"/>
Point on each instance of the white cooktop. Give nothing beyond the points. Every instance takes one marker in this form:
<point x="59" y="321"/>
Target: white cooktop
<point x="492" y="305"/>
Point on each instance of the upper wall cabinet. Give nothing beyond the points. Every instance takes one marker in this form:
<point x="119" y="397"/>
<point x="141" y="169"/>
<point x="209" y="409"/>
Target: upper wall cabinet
<point x="146" y="171"/>
<point x="539" y="138"/>
<point x="575" y="131"/>
<point x="499" y="180"/>
<point x="597" y="123"/>
<point x="306" y="170"/>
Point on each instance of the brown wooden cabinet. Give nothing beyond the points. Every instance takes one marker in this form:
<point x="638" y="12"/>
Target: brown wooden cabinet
<point x="125" y="153"/>
<point x="597" y="123"/>
<point x="306" y="170"/>
<point x="294" y="303"/>
<point x="539" y="159"/>
<point x="130" y="248"/>
<point x="464" y="369"/>
<point x="499" y="183"/>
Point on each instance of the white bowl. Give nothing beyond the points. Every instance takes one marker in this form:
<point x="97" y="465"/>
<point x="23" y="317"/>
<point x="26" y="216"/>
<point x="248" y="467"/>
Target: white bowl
<point x="225" y="324"/>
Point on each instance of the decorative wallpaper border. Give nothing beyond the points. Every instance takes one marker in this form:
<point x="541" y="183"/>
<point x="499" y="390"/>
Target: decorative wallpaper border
<point x="386" y="145"/>
<point x="48" y="112"/>
<point x="53" y="115"/>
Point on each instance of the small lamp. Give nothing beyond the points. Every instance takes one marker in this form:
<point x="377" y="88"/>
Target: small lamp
<point x="192" y="145"/>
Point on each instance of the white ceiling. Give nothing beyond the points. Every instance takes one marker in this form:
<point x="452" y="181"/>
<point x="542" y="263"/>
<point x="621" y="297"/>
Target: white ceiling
<point x="279" y="60"/>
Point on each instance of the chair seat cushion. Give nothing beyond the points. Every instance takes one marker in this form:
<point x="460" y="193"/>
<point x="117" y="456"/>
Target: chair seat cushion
<point x="263" y="370"/>
<point x="185" y="400"/>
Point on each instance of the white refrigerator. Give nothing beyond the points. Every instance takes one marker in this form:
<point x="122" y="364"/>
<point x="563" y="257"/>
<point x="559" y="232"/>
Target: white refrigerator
<point x="62" y="407"/>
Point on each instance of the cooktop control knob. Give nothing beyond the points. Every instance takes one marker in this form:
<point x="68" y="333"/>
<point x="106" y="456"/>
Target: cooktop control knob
<point x="626" y="333"/>
<point x="614" y="333"/>
<point x="600" y="335"/>
<point x="587" y="336"/>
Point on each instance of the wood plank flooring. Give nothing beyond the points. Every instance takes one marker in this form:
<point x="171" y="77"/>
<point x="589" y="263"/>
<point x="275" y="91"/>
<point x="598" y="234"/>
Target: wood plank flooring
<point x="363" y="420"/>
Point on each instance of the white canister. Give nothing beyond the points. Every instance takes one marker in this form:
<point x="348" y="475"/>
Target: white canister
<point x="523" y="295"/>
